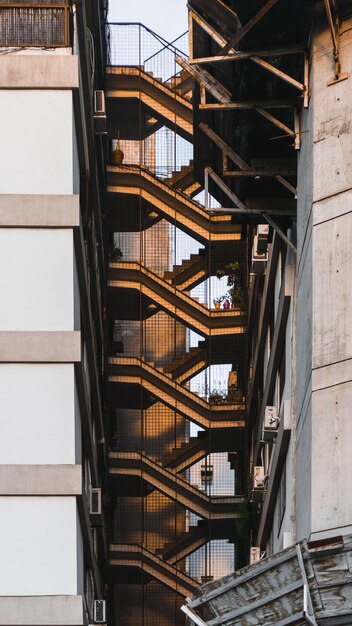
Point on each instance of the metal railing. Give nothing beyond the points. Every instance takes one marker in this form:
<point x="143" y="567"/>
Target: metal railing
<point x="35" y="24"/>
<point x="133" y="44"/>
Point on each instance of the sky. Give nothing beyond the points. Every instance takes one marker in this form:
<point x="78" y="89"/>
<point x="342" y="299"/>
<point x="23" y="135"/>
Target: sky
<point x="167" y="18"/>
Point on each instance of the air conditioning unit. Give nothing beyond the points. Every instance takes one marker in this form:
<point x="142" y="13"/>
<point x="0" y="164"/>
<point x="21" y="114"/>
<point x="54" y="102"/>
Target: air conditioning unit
<point x="271" y="424"/>
<point x="262" y="238"/>
<point x="263" y="231"/>
<point x="95" y="501"/>
<point x="254" y="555"/>
<point x="99" y="112"/>
<point x="259" y="478"/>
<point x="259" y="259"/>
<point x="99" y="611"/>
<point x="271" y="418"/>
<point x="99" y="103"/>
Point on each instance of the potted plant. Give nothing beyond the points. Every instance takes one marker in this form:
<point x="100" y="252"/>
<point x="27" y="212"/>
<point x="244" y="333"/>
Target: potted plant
<point x="218" y="396"/>
<point x="219" y="273"/>
<point x="116" y="254"/>
<point x="117" y="154"/>
<point x="235" y="295"/>
<point x="231" y="270"/>
<point x="217" y="301"/>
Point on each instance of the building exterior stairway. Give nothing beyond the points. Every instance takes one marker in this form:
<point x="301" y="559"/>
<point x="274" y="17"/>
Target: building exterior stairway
<point x="134" y="371"/>
<point x="187" y="454"/>
<point x="183" y="179"/>
<point x="190" y="273"/>
<point x="171" y="203"/>
<point x="163" y="99"/>
<point x="197" y="536"/>
<point x="126" y="555"/>
<point x="136" y="464"/>
<point x="204" y="321"/>
<point x="182" y="83"/>
<point x="188" y="364"/>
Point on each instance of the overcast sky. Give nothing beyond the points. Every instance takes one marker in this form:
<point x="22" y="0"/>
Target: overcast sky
<point x="167" y="18"/>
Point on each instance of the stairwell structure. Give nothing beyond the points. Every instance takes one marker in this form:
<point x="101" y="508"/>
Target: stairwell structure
<point x="164" y="245"/>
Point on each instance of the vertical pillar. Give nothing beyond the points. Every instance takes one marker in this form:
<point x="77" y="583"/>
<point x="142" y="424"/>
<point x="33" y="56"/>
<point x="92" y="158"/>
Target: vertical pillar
<point x="324" y="297"/>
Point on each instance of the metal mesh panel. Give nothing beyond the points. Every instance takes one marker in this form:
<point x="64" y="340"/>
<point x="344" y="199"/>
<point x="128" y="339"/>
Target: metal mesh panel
<point x="34" y="26"/>
<point x="167" y="371"/>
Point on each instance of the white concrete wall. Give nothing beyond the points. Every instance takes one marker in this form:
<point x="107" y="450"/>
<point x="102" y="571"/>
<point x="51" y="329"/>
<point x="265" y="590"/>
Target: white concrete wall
<point x="38" y="546"/>
<point x="324" y="299"/>
<point x="41" y="543"/>
<point x="37" y="423"/>
<point x="36" y="279"/>
<point x="36" y="140"/>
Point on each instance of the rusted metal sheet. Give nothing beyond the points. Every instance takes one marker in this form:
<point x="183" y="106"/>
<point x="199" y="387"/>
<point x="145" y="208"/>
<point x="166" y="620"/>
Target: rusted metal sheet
<point x="307" y="583"/>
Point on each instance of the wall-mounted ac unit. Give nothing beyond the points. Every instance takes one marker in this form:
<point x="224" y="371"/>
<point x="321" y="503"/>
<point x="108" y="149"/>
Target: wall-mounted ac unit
<point x="271" y="424"/>
<point x="99" y="103"/>
<point x="262" y="238"/>
<point x="271" y="418"/>
<point x="259" y="259"/>
<point x="99" y="112"/>
<point x="254" y="554"/>
<point x="99" y="611"/>
<point x="259" y="478"/>
<point x="95" y="501"/>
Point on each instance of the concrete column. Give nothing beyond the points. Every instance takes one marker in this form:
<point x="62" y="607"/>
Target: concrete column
<point x="324" y="296"/>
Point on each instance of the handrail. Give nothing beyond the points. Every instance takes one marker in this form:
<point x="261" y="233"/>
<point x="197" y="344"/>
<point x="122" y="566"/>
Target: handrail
<point x="174" y="478"/>
<point x="168" y="47"/>
<point x="133" y="360"/>
<point x="149" y="30"/>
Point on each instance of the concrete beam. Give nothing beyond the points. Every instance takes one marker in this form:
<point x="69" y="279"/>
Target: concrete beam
<point x="41" y="211"/>
<point x="41" y="611"/>
<point x="38" y="71"/>
<point x="40" y="346"/>
<point x="40" y="480"/>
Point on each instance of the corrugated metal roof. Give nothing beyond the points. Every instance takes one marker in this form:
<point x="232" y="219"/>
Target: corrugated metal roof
<point x="272" y="590"/>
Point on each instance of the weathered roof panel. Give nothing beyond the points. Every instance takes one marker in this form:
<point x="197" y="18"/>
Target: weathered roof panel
<point x="273" y="590"/>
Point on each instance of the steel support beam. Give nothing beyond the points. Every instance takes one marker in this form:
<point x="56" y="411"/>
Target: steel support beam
<point x="220" y="93"/>
<point x="240" y="56"/>
<point x="247" y="27"/>
<point x="279" y="73"/>
<point x="245" y="105"/>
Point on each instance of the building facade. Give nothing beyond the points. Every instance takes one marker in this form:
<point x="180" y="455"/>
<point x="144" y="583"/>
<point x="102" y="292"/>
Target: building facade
<point x="52" y="424"/>
<point x="175" y="338"/>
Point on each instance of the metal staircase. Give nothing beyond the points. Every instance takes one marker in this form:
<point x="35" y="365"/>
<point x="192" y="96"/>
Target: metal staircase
<point x="136" y="464"/>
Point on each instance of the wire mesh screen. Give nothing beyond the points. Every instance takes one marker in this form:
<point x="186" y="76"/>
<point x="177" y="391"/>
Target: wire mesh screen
<point x="34" y="25"/>
<point x="176" y="315"/>
<point x="134" y="44"/>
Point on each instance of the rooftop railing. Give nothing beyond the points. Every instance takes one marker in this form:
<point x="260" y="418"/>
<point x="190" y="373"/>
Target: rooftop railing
<point x="134" y="44"/>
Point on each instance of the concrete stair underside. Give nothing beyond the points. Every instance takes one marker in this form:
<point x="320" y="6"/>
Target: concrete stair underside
<point x="135" y="464"/>
<point x="207" y="322"/>
<point x="131" y="371"/>
<point x="125" y="556"/>
<point x="165" y="103"/>
<point x="129" y="181"/>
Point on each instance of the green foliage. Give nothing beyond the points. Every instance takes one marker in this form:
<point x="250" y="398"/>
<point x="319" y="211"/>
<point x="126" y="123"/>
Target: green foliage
<point x="116" y="254"/>
<point x="235" y="295"/>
